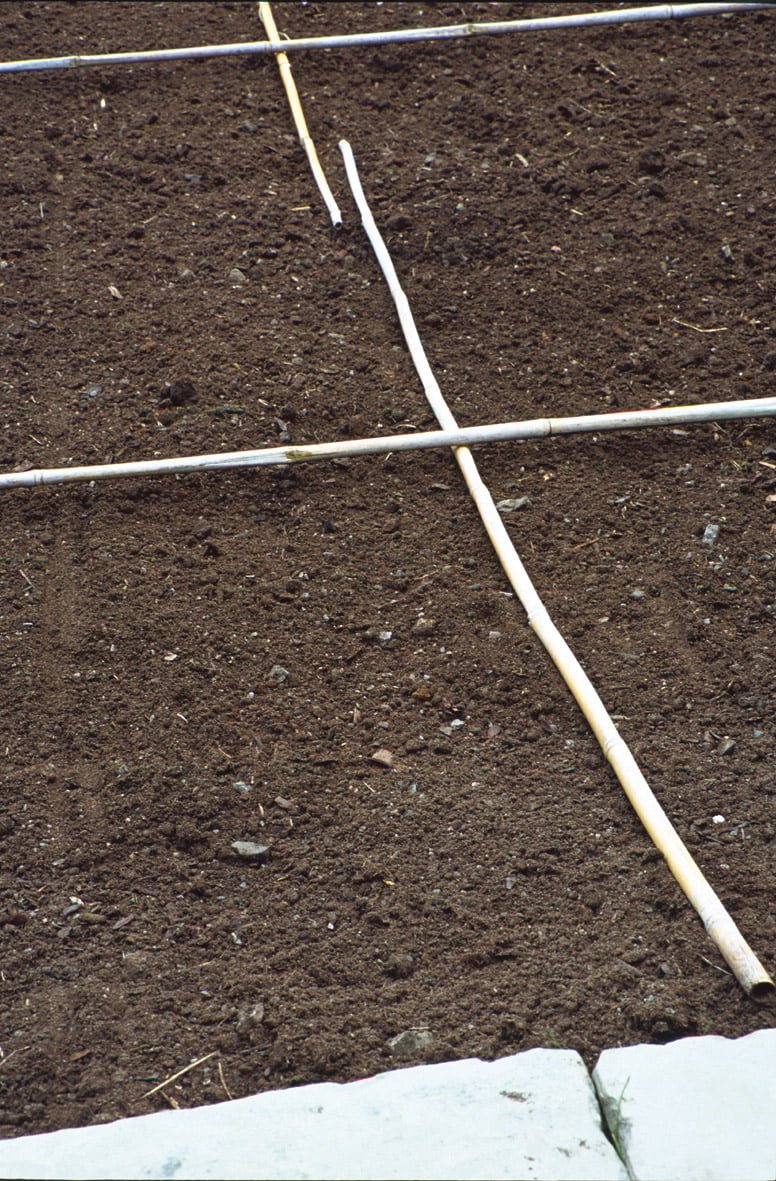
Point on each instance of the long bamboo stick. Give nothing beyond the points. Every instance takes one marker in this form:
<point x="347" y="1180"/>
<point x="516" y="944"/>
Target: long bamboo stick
<point x="499" y="432"/>
<point x="300" y="123"/>
<point x="718" y="923"/>
<point x="355" y="40"/>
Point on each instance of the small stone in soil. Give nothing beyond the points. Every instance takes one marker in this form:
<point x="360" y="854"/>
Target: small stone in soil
<point x="710" y="534"/>
<point x="279" y="674"/>
<point x="511" y="506"/>
<point x="242" y="787"/>
<point x="376" y="635"/>
<point x="250" y="851"/>
<point x="383" y="757"/>
<point x="237" y="276"/>
<point x="410" y="1042"/>
<point x="250" y="1017"/>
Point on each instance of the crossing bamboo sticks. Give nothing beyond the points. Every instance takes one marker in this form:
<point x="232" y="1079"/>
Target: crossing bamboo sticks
<point x="532" y="428"/>
<point x="396" y="36"/>
<point x="718" y="923"/>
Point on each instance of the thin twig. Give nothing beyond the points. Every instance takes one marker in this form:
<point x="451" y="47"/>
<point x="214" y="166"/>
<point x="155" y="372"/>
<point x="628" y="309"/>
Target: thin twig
<point x="695" y="327"/>
<point x="583" y="544"/>
<point x="7" y="1057"/>
<point x="179" y="1073"/>
<point x="716" y="967"/>
<point x="229" y="1094"/>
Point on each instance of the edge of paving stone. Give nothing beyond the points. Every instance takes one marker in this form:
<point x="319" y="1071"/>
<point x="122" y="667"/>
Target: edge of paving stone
<point x="615" y="1119"/>
<point x="620" y="1111"/>
<point x="44" y="1150"/>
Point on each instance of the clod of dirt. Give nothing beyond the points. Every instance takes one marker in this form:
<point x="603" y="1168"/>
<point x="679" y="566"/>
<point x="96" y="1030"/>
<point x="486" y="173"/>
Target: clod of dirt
<point x="186" y="833"/>
<point x="178" y="393"/>
<point x="13" y="917"/>
<point x="652" y="162"/>
<point x="399" y="966"/>
<point x="136" y="963"/>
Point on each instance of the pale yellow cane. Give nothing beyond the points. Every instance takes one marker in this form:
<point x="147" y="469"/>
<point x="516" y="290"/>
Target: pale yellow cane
<point x="300" y="122"/>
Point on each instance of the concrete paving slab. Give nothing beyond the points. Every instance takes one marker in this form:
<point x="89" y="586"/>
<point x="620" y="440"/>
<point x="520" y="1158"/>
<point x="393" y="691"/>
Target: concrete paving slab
<point x="699" y="1109"/>
<point x="532" y="1115"/>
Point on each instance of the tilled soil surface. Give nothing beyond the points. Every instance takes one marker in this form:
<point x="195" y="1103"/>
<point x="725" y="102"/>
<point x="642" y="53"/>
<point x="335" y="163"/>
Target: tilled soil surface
<point x="583" y="220"/>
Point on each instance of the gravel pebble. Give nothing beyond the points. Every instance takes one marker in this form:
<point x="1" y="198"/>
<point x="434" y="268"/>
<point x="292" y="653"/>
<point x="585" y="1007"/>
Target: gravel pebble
<point x="250" y="851"/>
<point x="410" y="1042"/>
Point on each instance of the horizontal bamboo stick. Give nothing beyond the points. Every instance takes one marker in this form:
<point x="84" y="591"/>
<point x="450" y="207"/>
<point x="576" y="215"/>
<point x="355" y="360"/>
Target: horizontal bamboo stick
<point x="499" y="432"/>
<point x="718" y="923"/>
<point x="355" y="40"/>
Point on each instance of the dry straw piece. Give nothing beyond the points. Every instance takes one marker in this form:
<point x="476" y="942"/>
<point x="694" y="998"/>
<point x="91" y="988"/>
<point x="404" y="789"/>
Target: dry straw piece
<point x="718" y="923"/>
<point x="305" y="139"/>
<point x="179" y="1074"/>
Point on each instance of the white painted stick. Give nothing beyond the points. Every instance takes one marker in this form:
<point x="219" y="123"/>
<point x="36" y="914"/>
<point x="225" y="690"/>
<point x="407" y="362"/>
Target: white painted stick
<point x="499" y="432"/>
<point x="720" y="926"/>
<point x="300" y="123"/>
<point x="355" y="40"/>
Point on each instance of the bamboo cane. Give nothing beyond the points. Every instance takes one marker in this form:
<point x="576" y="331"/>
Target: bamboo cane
<point x="355" y="40"/>
<point x="461" y="436"/>
<point x="718" y="923"/>
<point x="499" y="432"/>
<point x="305" y="139"/>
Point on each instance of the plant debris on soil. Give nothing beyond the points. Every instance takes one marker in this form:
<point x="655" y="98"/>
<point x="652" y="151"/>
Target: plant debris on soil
<point x="290" y="790"/>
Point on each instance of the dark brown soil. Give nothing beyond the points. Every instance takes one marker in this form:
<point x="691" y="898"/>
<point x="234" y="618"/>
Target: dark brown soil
<point x="583" y="220"/>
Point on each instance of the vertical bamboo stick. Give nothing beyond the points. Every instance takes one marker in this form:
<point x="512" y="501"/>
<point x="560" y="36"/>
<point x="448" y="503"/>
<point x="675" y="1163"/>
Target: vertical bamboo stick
<point x="284" y="65"/>
<point x="718" y="923"/>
